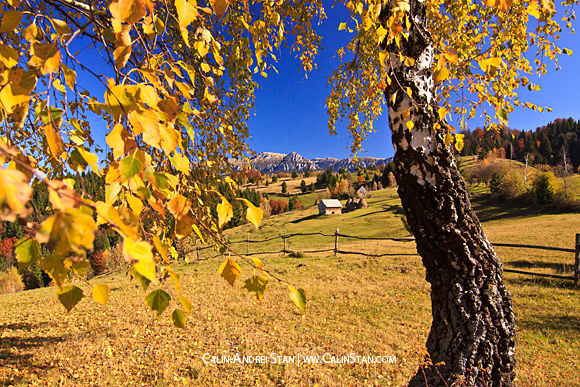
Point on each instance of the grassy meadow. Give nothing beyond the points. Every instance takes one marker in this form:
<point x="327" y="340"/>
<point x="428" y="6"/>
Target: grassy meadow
<point x="356" y="304"/>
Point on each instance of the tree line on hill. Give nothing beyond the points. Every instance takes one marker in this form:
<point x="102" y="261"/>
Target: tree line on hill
<point x="556" y="143"/>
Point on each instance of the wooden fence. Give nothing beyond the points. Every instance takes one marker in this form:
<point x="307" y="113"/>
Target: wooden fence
<point x="336" y="250"/>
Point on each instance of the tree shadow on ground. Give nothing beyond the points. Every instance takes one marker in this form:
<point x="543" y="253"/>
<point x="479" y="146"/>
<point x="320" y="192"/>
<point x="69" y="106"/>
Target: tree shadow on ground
<point x="543" y="282"/>
<point x="395" y="209"/>
<point x="554" y="321"/>
<point x="526" y="264"/>
<point x="310" y="217"/>
<point x="489" y="209"/>
<point x="18" y="352"/>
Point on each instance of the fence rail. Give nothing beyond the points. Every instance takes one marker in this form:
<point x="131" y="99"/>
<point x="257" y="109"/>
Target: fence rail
<point x="336" y="250"/>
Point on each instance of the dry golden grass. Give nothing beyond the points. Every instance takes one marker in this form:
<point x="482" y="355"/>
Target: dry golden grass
<point x="356" y="305"/>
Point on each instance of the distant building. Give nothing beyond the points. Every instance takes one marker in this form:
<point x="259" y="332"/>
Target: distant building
<point x="329" y="206"/>
<point x="362" y="191"/>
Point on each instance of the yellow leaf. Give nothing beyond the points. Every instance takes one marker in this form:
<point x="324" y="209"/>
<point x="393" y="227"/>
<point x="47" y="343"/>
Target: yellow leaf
<point x="161" y="248"/>
<point x="169" y="138"/>
<point x="30" y="33"/>
<point x="121" y="56"/>
<point x="128" y="11"/>
<point x="410" y="125"/>
<point x="220" y="7"/>
<point x="256" y="284"/>
<point x="452" y="58"/>
<point x="62" y="196"/>
<point x="67" y="232"/>
<point x="135" y="203"/>
<point x="225" y="212"/>
<point x="209" y="96"/>
<point x="10" y="20"/>
<point x="8" y="56"/>
<point x="548" y="6"/>
<point x="230" y="271"/>
<point x="90" y="158"/>
<point x="459" y="141"/>
<point x="46" y="57"/>
<point x="257" y="263"/>
<point x="120" y="141"/>
<point x="406" y="114"/>
<point x="101" y="293"/>
<point x="298" y="296"/>
<point x="184" y="227"/>
<point x="201" y="47"/>
<point x="141" y="253"/>
<point x="112" y="191"/>
<point x="14" y="193"/>
<point x="254" y="214"/>
<point x="57" y="267"/>
<point x="383" y="56"/>
<point x="146" y="123"/>
<point x="441" y="74"/>
<point x="60" y="26"/>
<point x="186" y="12"/>
<point x="442" y="113"/>
<point x="55" y="143"/>
<point x="181" y="163"/>
<point x="179" y="206"/>
<point x="11" y="96"/>
<point x="169" y="106"/>
<point x="149" y="95"/>
<point x="448" y="139"/>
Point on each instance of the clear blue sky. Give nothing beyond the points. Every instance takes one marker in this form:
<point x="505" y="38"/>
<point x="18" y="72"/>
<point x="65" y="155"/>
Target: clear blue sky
<point x="290" y="113"/>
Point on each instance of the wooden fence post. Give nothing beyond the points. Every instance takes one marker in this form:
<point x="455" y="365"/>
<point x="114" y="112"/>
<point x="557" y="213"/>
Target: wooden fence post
<point x="577" y="261"/>
<point x="284" y="237"/>
<point x="197" y="249"/>
<point x="248" y="245"/>
<point x="335" y="242"/>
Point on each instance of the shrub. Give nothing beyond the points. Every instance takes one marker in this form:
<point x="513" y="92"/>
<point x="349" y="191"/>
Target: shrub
<point x="10" y="281"/>
<point x="495" y="182"/>
<point x="296" y="254"/>
<point x="512" y="185"/>
<point x="29" y="279"/>
<point x="277" y="206"/>
<point x="97" y="260"/>
<point x="544" y="188"/>
<point x="265" y="206"/>
<point x="114" y="259"/>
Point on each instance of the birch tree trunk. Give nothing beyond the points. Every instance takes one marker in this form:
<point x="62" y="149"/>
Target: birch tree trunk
<point x="473" y="331"/>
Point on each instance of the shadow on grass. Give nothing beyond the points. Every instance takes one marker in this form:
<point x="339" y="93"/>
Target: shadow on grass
<point x="553" y="321"/>
<point x="19" y="351"/>
<point x="395" y="209"/>
<point x="304" y="219"/>
<point x="543" y="282"/>
<point x="525" y="264"/>
<point x="488" y="209"/>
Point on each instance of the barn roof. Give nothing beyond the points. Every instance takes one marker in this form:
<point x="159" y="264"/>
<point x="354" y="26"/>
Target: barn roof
<point x="331" y="203"/>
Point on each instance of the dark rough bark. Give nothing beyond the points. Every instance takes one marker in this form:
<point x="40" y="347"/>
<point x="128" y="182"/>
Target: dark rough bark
<point x="473" y="330"/>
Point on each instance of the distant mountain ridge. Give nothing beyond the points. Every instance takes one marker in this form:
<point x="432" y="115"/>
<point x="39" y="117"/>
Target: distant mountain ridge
<point x="269" y="162"/>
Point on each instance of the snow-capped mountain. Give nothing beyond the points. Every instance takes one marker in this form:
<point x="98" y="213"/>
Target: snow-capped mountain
<point x="270" y="162"/>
